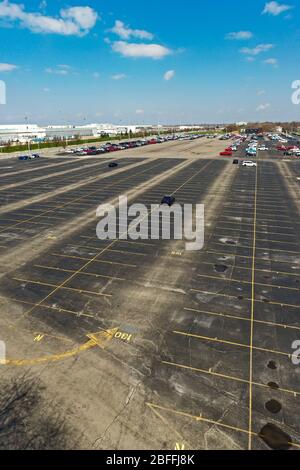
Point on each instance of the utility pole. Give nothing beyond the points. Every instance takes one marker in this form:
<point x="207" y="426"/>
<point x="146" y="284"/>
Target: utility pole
<point x="28" y="139"/>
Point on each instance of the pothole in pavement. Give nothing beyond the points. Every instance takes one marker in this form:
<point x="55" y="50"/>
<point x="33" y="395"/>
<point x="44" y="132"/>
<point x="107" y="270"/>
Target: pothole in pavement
<point x="220" y="268"/>
<point x="273" y="406"/>
<point x="272" y="365"/>
<point x="275" y="438"/>
<point x="228" y="241"/>
<point x="273" y="385"/>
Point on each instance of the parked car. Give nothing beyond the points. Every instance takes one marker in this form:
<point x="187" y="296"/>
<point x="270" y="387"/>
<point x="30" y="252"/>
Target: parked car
<point x="235" y="162"/>
<point x="249" y="164"/>
<point x="226" y="153"/>
<point x="24" y="158"/>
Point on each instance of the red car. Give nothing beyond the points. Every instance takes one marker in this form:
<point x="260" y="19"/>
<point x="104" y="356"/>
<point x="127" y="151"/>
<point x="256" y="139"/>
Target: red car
<point x="282" y="148"/>
<point x="112" y="148"/>
<point x="226" y="153"/>
<point x="292" y="147"/>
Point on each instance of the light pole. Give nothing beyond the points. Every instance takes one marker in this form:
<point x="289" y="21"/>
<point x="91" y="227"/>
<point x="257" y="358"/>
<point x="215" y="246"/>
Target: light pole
<point x="28" y="139"/>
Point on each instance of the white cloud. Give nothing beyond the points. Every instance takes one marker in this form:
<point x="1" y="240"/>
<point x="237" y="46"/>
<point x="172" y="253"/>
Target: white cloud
<point x="59" y="70"/>
<point x="76" y="21"/>
<point x="261" y="92"/>
<point x="118" y="76"/>
<point x="85" y="17"/>
<point x="46" y="90"/>
<point x="7" y="67"/>
<point x="257" y="50"/>
<point x="240" y="35"/>
<point x="169" y="75"/>
<point x="124" y="32"/>
<point x="275" y="8"/>
<point x="250" y="59"/>
<point x="96" y="75"/>
<point x="139" y="111"/>
<point x="263" y="107"/>
<point x="152" y="51"/>
<point x="271" y="61"/>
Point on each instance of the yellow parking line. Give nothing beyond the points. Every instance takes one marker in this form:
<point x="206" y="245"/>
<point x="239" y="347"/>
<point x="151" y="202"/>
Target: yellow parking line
<point x="247" y="282"/>
<point x="50" y="307"/>
<point x="196" y="418"/>
<point x="256" y="269"/>
<point x="122" y="241"/>
<point x="216" y="294"/>
<point x="230" y="377"/>
<point x="261" y="249"/>
<point x="250" y="216"/>
<point x="265" y="240"/>
<point x="114" y="263"/>
<point x="252" y="310"/>
<point x="110" y="250"/>
<point x="239" y="223"/>
<point x="232" y="343"/>
<point x="52" y="268"/>
<point x="235" y="317"/>
<point x="81" y="291"/>
<point x="244" y="257"/>
<point x="247" y="231"/>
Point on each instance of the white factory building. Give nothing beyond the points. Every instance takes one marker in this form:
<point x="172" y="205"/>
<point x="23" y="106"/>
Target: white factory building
<point x="24" y="132"/>
<point x="21" y="132"/>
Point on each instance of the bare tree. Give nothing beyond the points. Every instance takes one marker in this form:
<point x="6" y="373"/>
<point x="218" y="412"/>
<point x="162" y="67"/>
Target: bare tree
<point x="28" y="421"/>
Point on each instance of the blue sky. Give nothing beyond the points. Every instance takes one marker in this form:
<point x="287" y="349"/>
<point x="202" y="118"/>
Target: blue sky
<point x="170" y="62"/>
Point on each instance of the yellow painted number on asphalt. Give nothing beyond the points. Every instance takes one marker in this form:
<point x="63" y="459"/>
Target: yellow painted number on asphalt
<point x="123" y="336"/>
<point x="179" y="446"/>
<point x="39" y="338"/>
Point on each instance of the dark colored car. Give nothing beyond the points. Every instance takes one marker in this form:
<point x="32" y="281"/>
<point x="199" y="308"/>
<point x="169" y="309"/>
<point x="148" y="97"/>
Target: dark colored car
<point x="113" y="165"/>
<point x="23" y="158"/>
<point x="235" y="162"/>
<point x="168" y="200"/>
<point x="34" y="156"/>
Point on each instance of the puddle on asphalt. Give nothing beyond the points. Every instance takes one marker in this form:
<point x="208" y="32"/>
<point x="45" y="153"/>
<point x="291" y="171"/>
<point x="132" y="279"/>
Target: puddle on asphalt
<point x="228" y="241"/>
<point x="274" y="406"/>
<point x="273" y="385"/>
<point x="220" y="268"/>
<point x="275" y="438"/>
<point x="272" y="365"/>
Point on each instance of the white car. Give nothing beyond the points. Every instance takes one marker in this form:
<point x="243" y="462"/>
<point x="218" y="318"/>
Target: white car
<point x="263" y="148"/>
<point x="248" y="163"/>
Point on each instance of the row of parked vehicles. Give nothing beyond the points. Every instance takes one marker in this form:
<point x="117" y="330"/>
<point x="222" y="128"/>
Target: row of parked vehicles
<point x="114" y="147"/>
<point x="291" y="150"/>
<point x="24" y="158"/>
<point x="233" y="148"/>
